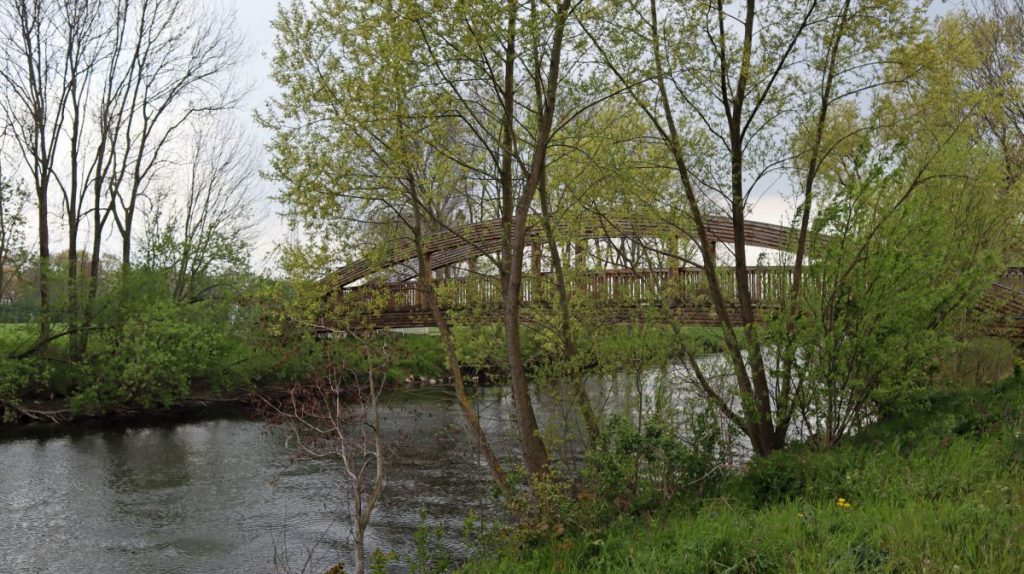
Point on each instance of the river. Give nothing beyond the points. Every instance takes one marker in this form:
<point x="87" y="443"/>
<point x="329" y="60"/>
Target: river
<point x="225" y="495"/>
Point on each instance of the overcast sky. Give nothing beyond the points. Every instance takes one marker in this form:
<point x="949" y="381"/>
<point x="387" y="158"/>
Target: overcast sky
<point x="253" y="18"/>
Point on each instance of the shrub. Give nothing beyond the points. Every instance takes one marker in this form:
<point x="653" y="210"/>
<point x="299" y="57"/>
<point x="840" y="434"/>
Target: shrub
<point x="15" y="377"/>
<point x="635" y="467"/>
<point x="155" y="357"/>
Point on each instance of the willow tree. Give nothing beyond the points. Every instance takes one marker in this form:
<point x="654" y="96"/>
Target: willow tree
<point x="918" y="207"/>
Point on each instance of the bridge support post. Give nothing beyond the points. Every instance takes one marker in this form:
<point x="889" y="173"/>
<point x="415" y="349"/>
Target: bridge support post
<point x="580" y="255"/>
<point x="421" y="294"/>
<point x="471" y="278"/>
<point x="536" y="253"/>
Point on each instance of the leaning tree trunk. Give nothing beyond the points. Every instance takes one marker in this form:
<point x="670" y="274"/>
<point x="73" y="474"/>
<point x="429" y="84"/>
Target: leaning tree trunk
<point x="427" y="288"/>
<point x="564" y="316"/>
<point x="535" y="455"/>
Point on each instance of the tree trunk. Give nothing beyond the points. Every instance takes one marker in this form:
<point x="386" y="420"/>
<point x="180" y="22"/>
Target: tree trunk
<point x="472" y="420"/>
<point x="535" y="455"/>
<point x="762" y="425"/>
<point x="426" y="297"/>
<point x="94" y="259"/>
<point x="73" y="323"/>
<point x="565" y="323"/>
<point x="360" y="550"/>
<point x="126" y="242"/>
<point x="751" y="420"/>
<point x="44" y="268"/>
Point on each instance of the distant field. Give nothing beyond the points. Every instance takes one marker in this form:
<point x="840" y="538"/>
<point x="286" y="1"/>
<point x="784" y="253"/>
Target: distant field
<point x="15" y="332"/>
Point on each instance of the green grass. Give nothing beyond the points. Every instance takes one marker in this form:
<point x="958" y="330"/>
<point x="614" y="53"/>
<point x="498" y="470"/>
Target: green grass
<point x="421" y="355"/>
<point x="939" y="488"/>
<point x="17" y="333"/>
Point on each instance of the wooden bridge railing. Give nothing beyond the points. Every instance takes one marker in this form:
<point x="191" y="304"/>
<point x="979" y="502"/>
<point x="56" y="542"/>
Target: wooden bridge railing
<point x="402" y="304"/>
<point x="618" y="287"/>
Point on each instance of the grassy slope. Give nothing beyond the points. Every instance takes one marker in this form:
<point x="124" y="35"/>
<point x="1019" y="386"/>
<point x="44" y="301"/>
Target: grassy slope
<point x="938" y="489"/>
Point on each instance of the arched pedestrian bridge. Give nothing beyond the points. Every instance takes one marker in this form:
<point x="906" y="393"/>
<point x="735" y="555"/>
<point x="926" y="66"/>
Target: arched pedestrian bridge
<point x="620" y="266"/>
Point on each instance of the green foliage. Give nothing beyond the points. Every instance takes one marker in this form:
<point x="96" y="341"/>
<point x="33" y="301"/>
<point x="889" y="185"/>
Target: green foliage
<point x="409" y="355"/>
<point x="13" y="253"/>
<point x="16" y="376"/>
<point x="638" y="466"/>
<point x="910" y="252"/>
<point x="542" y="509"/>
<point x="431" y="557"/>
<point x="14" y="335"/>
<point x="154" y="357"/>
<point x="939" y="488"/>
<point x="148" y="348"/>
<point x="379" y="561"/>
<point x="483" y="347"/>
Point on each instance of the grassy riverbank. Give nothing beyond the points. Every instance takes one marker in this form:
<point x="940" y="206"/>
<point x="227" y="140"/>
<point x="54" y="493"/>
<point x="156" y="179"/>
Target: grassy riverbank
<point x="178" y="356"/>
<point x="183" y="377"/>
<point x="937" y="488"/>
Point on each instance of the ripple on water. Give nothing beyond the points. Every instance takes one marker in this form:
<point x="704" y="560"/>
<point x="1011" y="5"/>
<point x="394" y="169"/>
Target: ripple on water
<point x="220" y="496"/>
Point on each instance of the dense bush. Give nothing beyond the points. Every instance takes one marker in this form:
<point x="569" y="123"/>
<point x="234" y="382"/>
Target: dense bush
<point x="145" y="347"/>
<point x="156" y="356"/>
<point x="16" y="376"/>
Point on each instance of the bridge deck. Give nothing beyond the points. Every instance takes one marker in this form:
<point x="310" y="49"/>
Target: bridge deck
<point x="669" y="295"/>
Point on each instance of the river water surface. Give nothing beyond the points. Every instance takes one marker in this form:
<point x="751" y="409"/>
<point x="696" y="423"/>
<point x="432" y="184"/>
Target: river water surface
<point x="225" y="495"/>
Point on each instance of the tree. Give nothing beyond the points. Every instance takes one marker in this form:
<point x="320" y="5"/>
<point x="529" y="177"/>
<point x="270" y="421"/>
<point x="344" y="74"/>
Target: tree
<point x="325" y="423"/>
<point x="203" y="229"/>
<point x="81" y="22"/>
<point x="350" y="145"/>
<point x="180" y="59"/>
<point x="775" y="67"/>
<point x="94" y="96"/>
<point x="13" y="198"/>
<point x="919" y="222"/>
<point x="487" y="56"/>
<point x="894" y="282"/>
<point x="33" y="104"/>
<point x="996" y="67"/>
